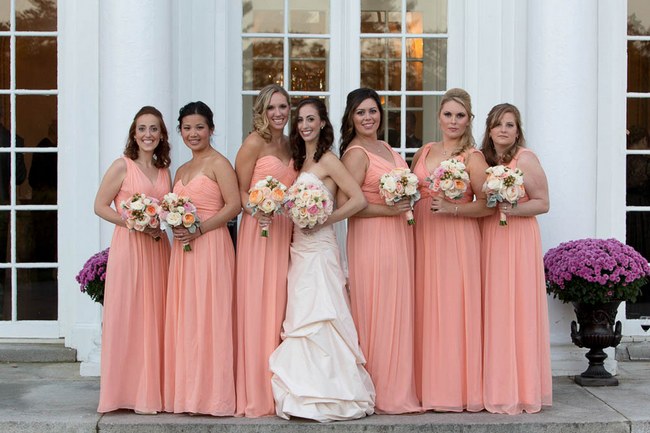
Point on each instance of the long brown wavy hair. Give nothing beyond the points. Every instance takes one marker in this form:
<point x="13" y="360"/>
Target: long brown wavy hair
<point x="461" y="97"/>
<point x="161" y="157"/>
<point x="487" y="147"/>
<point x="325" y="139"/>
<point x="354" y="99"/>
<point x="260" y="121"/>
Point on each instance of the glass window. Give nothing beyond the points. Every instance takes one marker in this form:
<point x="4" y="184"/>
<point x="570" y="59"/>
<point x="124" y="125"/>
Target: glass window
<point x="638" y="141"/>
<point x="28" y="160"/>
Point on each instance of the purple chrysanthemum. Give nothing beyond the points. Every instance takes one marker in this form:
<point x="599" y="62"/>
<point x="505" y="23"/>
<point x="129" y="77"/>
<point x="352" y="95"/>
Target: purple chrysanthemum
<point x="93" y="275"/>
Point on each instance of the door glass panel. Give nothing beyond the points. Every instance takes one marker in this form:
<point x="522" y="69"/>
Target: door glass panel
<point x="638" y="21"/>
<point x="35" y="15"/>
<point x="5" y="62"/>
<point x="5" y="15"/>
<point x="263" y="60"/>
<point x="37" y="294"/>
<point x="35" y="62"/>
<point x="5" y="293"/>
<point x="309" y="16"/>
<point x="5" y="237"/>
<point x="638" y="180"/>
<point x="426" y="16"/>
<point x="37" y="234"/>
<point x="263" y="16"/>
<point x="309" y="64"/>
<point x="427" y="64"/>
<point x="381" y="16"/>
<point x="638" y="60"/>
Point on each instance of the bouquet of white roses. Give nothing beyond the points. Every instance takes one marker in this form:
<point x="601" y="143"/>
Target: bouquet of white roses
<point x="178" y="210"/>
<point x="308" y="204"/>
<point x="400" y="184"/>
<point x="503" y="184"/>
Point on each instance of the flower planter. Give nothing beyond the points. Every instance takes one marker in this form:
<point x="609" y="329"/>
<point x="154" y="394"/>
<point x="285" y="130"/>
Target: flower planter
<point x="597" y="331"/>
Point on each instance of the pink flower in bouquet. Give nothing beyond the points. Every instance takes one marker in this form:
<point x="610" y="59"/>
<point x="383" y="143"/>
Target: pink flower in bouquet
<point x="308" y="204"/>
<point x="503" y="184"/>
<point x="178" y="210"/>
<point x="449" y="177"/>
<point x="400" y="184"/>
<point x="140" y="212"/>
<point x="267" y="196"/>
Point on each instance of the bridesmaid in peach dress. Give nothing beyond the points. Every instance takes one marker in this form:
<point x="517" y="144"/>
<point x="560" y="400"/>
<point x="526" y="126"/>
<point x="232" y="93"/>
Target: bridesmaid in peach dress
<point x="517" y="364"/>
<point x="136" y="274"/>
<point x="199" y="345"/>
<point x="447" y="268"/>
<point x="262" y="262"/>
<point x="381" y="259"/>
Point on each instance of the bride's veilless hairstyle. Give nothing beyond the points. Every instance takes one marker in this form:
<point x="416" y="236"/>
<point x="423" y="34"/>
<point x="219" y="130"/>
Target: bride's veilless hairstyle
<point x="199" y="108"/>
<point x="354" y="99"/>
<point x="487" y="147"/>
<point x="325" y="139"/>
<point x="262" y="102"/>
<point x="161" y="157"/>
<point x="461" y="97"/>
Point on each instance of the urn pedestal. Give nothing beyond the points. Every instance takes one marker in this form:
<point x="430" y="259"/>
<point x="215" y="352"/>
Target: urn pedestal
<point x="597" y="331"/>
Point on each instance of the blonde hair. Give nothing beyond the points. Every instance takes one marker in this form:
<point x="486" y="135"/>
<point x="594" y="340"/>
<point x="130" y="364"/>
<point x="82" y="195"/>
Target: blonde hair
<point x="262" y="102"/>
<point x="461" y="97"/>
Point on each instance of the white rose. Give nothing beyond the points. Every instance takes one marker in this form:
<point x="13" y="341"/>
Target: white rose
<point x="498" y="170"/>
<point x="410" y="189"/>
<point x="446" y="184"/>
<point x="511" y="194"/>
<point x="267" y="206"/>
<point x="493" y="184"/>
<point x="389" y="184"/>
<point x="137" y="205"/>
<point x="173" y="219"/>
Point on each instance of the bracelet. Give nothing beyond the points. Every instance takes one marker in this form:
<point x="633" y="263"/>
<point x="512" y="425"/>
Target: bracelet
<point x="200" y="231"/>
<point x="456" y="211"/>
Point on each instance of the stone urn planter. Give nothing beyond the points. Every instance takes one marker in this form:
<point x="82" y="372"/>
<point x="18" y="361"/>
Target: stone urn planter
<point x="596" y="330"/>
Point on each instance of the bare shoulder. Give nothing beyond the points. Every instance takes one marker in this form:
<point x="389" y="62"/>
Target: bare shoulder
<point x="527" y="156"/>
<point x="220" y="162"/>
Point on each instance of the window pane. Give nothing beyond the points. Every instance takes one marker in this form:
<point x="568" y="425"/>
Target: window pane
<point x="381" y="16"/>
<point x="429" y="16"/>
<point x="638" y="138"/>
<point x="5" y="294"/>
<point x="35" y="120"/>
<point x="5" y="237"/>
<point x="426" y="109"/>
<point x="638" y="66"/>
<point x="638" y="236"/>
<point x="638" y="115"/>
<point x="247" y="114"/>
<point x="5" y="62"/>
<point x="32" y="15"/>
<point x="5" y="14"/>
<point x="309" y="64"/>
<point x="638" y="180"/>
<point x="426" y="64"/>
<point x="381" y="63"/>
<point x="263" y="16"/>
<point x="638" y="21"/>
<point x="263" y="62"/>
<point x="37" y="295"/>
<point x="35" y="63"/>
<point x="36" y="236"/>
<point x="42" y="178"/>
<point x="309" y="16"/>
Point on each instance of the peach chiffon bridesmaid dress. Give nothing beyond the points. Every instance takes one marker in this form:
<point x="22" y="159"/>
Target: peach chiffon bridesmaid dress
<point x="517" y="362"/>
<point x="381" y="261"/>
<point x="448" y="325"/>
<point x="134" y="308"/>
<point x="262" y="266"/>
<point x="199" y="340"/>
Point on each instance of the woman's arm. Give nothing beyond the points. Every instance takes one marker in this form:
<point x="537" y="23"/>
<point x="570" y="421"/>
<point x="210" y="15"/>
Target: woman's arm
<point x="536" y="187"/>
<point x="108" y="189"/>
<point x="347" y="185"/>
<point x="245" y="165"/>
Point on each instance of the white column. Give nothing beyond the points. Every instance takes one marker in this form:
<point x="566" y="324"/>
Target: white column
<point x="562" y="128"/>
<point x="135" y="61"/>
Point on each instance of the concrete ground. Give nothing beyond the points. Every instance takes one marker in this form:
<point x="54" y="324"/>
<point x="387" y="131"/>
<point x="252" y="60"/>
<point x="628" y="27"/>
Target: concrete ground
<point x="53" y="398"/>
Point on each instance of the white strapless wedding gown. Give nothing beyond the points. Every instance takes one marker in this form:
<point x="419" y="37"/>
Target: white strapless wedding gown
<point x="318" y="369"/>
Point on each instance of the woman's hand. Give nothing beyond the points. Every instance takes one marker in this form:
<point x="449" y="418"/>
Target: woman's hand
<point x="439" y="205"/>
<point x="401" y="206"/>
<point x="184" y="236"/>
<point x="155" y="233"/>
<point x="263" y="219"/>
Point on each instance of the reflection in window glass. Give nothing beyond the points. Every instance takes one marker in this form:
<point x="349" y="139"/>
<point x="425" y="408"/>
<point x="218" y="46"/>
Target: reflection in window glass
<point x="638" y="120"/>
<point x="426" y="64"/>
<point x="309" y="64"/>
<point x="263" y="60"/>
<point x="35" y="15"/>
<point x="5" y="292"/>
<point x="5" y="62"/>
<point x="638" y="21"/>
<point x="426" y="16"/>
<point x="263" y="16"/>
<point x="381" y="16"/>
<point x="39" y="231"/>
<point x="309" y="16"/>
<point x="5" y="14"/>
<point x="35" y="63"/>
<point x="37" y="294"/>
<point x="638" y="66"/>
<point x="638" y="180"/>
<point x="5" y="237"/>
<point x="637" y="235"/>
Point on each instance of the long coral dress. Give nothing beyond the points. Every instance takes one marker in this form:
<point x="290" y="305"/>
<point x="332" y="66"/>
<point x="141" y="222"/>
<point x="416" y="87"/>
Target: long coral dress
<point x="517" y="362"/>
<point x="199" y="345"/>
<point x="381" y="261"/>
<point x="134" y="308"/>
<point x="448" y="325"/>
<point x="318" y="369"/>
<point x="262" y="265"/>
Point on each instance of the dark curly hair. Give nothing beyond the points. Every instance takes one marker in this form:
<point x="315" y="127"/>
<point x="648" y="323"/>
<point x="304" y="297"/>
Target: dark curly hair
<point x="493" y="118"/>
<point x="161" y="153"/>
<point x="325" y="139"/>
<point x="354" y="99"/>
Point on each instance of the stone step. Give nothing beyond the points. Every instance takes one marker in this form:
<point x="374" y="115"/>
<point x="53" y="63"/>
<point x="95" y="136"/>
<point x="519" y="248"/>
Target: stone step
<point x="36" y="351"/>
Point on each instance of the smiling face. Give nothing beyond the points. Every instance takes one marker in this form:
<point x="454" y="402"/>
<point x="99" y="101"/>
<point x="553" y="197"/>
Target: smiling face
<point x="195" y="132"/>
<point x="147" y="132"/>
<point x="453" y="120"/>
<point x="504" y="133"/>
<point x="277" y="112"/>
<point x="309" y="123"/>
<point x="367" y="118"/>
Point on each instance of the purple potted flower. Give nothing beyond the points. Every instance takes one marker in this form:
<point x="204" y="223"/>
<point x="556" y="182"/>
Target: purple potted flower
<point x="93" y="275"/>
<point x="596" y="275"/>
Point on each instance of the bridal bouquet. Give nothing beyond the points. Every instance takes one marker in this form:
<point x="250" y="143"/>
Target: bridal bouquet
<point x="178" y="210"/>
<point x="400" y="184"/>
<point x="450" y="177"/>
<point x="503" y="184"/>
<point x="140" y="212"/>
<point x="308" y="204"/>
<point x="267" y="196"/>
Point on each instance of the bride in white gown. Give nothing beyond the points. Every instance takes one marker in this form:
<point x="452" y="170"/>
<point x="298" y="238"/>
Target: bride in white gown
<point x="318" y="369"/>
